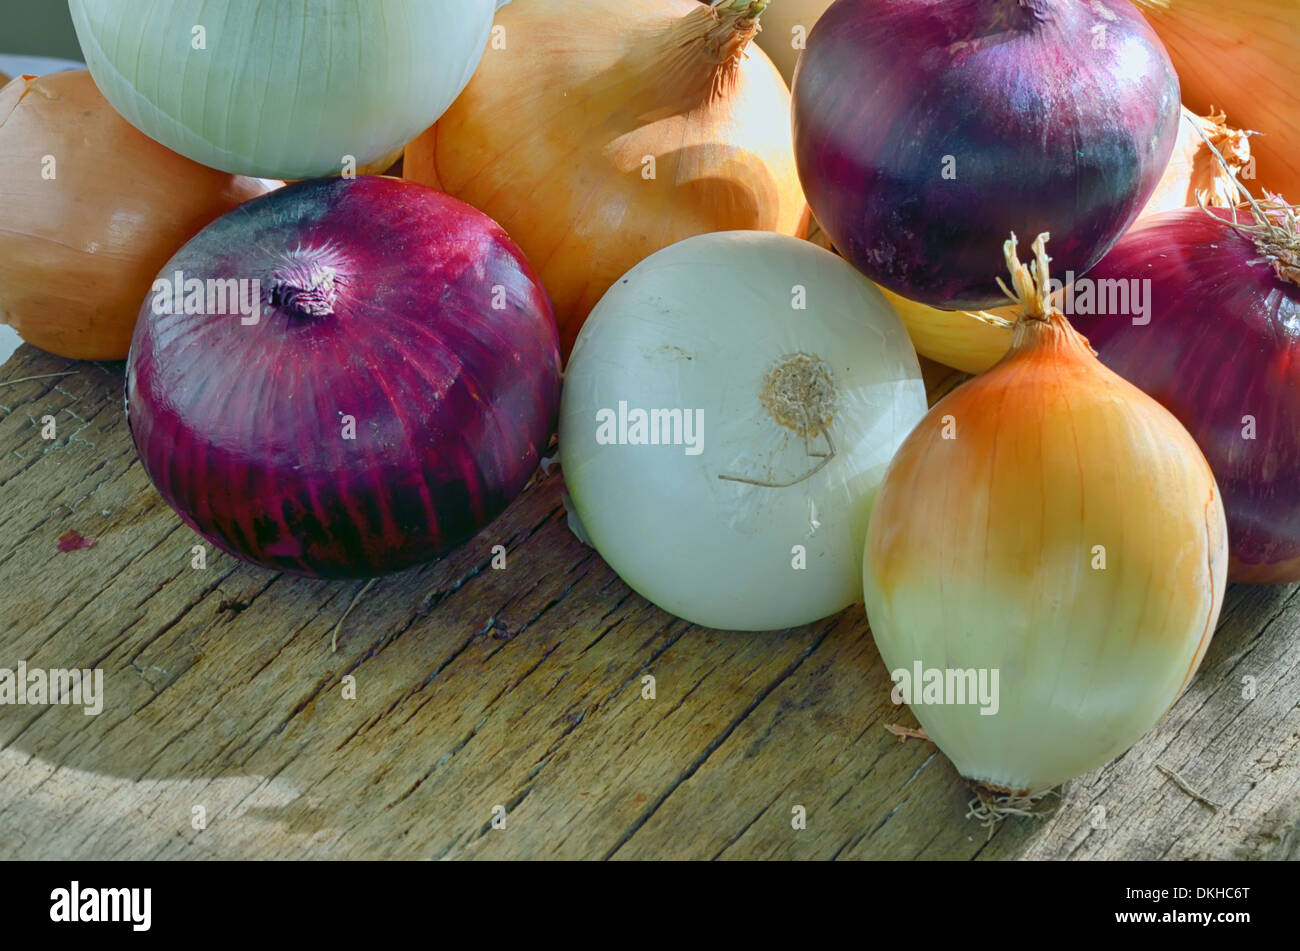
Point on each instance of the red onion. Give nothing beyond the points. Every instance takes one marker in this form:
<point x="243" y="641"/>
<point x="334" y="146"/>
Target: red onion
<point x="392" y="397"/>
<point x="1215" y="337"/>
<point x="926" y="132"/>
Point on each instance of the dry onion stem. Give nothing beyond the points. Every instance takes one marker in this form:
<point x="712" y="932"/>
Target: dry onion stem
<point x="1275" y="230"/>
<point x="1207" y="156"/>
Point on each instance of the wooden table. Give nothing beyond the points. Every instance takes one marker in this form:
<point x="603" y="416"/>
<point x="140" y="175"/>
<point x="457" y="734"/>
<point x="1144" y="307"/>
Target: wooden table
<point x="228" y="729"/>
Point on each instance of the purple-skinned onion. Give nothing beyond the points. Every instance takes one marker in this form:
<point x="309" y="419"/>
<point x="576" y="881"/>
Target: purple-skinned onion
<point x="382" y="390"/>
<point x="1215" y="337"/>
<point x="925" y="132"/>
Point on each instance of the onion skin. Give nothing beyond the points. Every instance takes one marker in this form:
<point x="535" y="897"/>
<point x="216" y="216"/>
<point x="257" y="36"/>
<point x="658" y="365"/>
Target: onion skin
<point x="239" y="427"/>
<point x="1241" y="57"/>
<point x="79" y="253"/>
<point x="1047" y="134"/>
<point x="283" y="89"/>
<point x="550" y="137"/>
<point x="1193" y="168"/>
<point x="1223" y="343"/>
<point x="980" y="554"/>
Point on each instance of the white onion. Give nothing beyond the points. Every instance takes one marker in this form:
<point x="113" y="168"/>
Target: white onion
<point x="282" y="89"/>
<point x="702" y="325"/>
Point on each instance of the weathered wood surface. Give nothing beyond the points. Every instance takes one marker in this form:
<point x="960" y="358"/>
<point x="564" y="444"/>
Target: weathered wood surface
<point x="521" y="688"/>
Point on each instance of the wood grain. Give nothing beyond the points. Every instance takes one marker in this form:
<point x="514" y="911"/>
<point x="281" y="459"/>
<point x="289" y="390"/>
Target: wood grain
<point x="522" y="688"/>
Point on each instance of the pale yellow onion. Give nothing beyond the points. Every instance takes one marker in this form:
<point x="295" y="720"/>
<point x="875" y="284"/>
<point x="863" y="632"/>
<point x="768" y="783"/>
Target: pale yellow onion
<point x="1241" y="56"/>
<point x="970" y="341"/>
<point x="984" y="546"/>
<point x="786" y="25"/>
<point x="282" y="89"/>
<point x="602" y="132"/>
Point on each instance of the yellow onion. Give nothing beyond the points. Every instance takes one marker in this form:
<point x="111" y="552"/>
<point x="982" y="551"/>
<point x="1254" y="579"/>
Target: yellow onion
<point x="90" y="211"/>
<point x="969" y="340"/>
<point x="1194" y="169"/>
<point x="786" y="25"/>
<point x="1240" y="56"/>
<point x="966" y="340"/>
<point x="1051" y="522"/>
<point x="597" y="133"/>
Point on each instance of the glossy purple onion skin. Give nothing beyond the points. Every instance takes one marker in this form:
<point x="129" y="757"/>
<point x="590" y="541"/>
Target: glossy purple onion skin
<point x="1047" y="133"/>
<point x="240" y="427"/>
<point x="1223" y="343"/>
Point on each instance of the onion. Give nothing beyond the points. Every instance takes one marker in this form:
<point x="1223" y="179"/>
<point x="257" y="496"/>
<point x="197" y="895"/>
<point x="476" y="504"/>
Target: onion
<point x="1219" y="345"/>
<point x="79" y="250"/>
<point x="970" y="340"/>
<point x="603" y="132"/>
<point x="285" y="90"/>
<point x="1240" y="56"/>
<point x="391" y="397"/>
<point x="1194" y="168"/>
<point x="1050" y="522"/>
<point x="754" y="517"/>
<point x="786" y="25"/>
<point x="925" y="132"/>
<point x="975" y="340"/>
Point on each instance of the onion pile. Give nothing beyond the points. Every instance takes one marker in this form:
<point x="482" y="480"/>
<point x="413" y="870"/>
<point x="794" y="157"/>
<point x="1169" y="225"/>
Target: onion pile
<point x="349" y="376"/>
<point x="1049" y="522"/>
<point x="602" y="132"/>
<point x="723" y="439"/>
<point x="1218" y="343"/>
<point x="283" y="90"/>
<point x="90" y="209"/>
<point x="925" y="132"/>
<point x="379" y="395"/>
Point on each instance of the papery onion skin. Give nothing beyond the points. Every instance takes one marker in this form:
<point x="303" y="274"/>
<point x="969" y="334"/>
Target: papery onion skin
<point x="552" y="135"/>
<point x="243" y="430"/>
<point x="1222" y="349"/>
<point x="1240" y="56"/>
<point x="703" y="325"/>
<point x="1042" y="131"/>
<point x="1194" y="169"/>
<point x="78" y="252"/>
<point x="283" y="90"/>
<point x="981" y="555"/>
